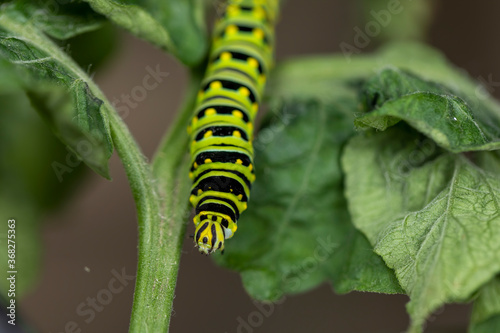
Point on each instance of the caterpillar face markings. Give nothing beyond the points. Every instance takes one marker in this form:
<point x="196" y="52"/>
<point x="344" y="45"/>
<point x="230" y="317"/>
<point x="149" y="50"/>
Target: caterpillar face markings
<point x="221" y="129"/>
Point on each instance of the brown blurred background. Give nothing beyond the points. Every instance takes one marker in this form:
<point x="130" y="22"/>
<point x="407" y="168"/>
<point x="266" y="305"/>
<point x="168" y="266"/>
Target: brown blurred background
<point x="96" y="232"/>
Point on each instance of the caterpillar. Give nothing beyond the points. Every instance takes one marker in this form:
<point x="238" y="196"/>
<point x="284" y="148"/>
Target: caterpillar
<point x="221" y="129"/>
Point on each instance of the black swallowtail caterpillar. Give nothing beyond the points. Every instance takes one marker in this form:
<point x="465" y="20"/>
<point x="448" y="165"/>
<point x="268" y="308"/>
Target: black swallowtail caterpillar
<point x="221" y="129"/>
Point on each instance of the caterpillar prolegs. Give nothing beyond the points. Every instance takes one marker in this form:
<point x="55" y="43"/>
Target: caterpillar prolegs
<point x="221" y="129"/>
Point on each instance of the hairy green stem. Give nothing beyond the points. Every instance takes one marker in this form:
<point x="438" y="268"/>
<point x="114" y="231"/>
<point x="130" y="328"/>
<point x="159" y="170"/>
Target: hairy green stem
<point x="160" y="238"/>
<point x="139" y="176"/>
<point x="160" y="190"/>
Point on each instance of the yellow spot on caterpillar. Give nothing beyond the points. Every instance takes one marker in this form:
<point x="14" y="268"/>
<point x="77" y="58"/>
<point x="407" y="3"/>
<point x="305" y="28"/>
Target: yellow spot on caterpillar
<point x="200" y="94"/>
<point x="255" y="107"/>
<point x="238" y="161"/>
<point x="231" y="189"/>
<point x="258" y="13"/>
<point x="208" y="160"/>
<point x="245" y="205"/>
<point x="207" y="134"/>
<point x="195" y="119"/>
<point x="231" y="29"/>
<point x="225" y="56"/>
<point x="200" y="191"/>
<point x="237" y="114"/>
<point x="210" y="112"/>
<point x="240" y="196"/>
<point x="253" y="62"/>
<point x="215" y="85"/>
<point x="244" y="91"/>
<point x="250" y="126"/>
<point x="195" y="165"/>
<point x="237" y="134"/>
<point x="258" y="33"/>
<point x="192" y="198"/>
<point x="250" y="167"/>
<point x="191" y="175"/>
<point x="232" y="10"/>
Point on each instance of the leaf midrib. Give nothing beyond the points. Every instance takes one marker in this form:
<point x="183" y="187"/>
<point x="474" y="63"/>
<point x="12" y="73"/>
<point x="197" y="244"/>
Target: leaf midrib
<point x="305" y="181"/>
<point x="428" y="277"/>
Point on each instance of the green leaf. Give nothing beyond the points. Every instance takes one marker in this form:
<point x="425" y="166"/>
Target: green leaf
<point x="490" y="325"/>
<point x="385" y="77"/>
<point x="390" y="83"/>
<point x="394" y="95"/>
<point x="175" y="25"/>
<point x="297" y="232"/>
<point x="63" y="94"/>
<point x="433" y="217"/>
<point x="430" y="64"/>
<point x="59" y="19"/>
<point x="486" y="312"/>
<point x="78" y="124"/>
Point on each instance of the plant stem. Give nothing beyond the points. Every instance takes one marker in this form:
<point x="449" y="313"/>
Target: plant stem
<point x="142" y="185"/>
<point x="160" y="238"/>
<point x="160" y="190"/>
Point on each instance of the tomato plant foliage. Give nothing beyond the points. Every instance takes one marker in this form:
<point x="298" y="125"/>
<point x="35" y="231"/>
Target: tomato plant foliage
<point x="376" y="174"/>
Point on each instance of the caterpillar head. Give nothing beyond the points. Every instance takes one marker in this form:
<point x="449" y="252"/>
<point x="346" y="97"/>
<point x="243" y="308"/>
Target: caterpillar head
<point x="209" y="237"/>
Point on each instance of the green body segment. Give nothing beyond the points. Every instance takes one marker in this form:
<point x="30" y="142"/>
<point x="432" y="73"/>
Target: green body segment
<point x="222" y="126"/>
